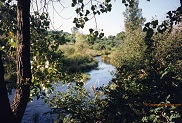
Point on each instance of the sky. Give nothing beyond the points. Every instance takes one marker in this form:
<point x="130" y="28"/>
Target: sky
<point x="112" y="22"/>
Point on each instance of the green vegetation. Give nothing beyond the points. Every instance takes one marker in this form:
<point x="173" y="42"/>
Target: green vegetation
<point x="140" y="81"/>
<point x="148" y="66"/>
<point x="78" y="105"/>
<point x="148" y="72"/>
<point x="131" y="52"/>
<point x="78" y="57"/>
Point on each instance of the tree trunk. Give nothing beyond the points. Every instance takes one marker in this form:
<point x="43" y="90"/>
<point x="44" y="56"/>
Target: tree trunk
<point x="6" y="115"/>
<point x="23" y="60"/>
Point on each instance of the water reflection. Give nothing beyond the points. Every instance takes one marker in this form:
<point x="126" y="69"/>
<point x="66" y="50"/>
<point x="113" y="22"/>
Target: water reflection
<point x="100" y="76"/>
<point x="35" y="110"/>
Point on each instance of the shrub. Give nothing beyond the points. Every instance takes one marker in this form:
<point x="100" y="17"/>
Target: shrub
<point x="78" y="105"/>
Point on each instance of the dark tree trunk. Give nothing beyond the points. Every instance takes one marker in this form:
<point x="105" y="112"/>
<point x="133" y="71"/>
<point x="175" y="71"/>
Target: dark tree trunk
<point x="6" y="115"/>
<point x="23" y="60"/>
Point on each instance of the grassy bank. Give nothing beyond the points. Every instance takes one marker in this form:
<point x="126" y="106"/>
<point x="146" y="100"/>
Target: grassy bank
<point x="79" y="63"/>
<point x="78" y="57"/>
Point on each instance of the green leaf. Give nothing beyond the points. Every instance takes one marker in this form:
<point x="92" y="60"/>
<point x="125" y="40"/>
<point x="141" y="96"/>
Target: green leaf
<point x="123" y="1"/>
<point x="145" y="29"/>
<point x="166" y="71"/>
<point x="87" y="12"/>
<point x="77" y="25"/>
<point x="126" y="5"/>
<point x="81" y="14"/>
<point x="80" y="1"/>
<point x="73" y="5"/>
<point x="86" y="19"/>
<point x="154" y="23"/>
<point x="82" y="26"/>
<point x="78" y="10"/>
<point x="75" y="20"/>
<point x="167" y="97"/>
<point x="109" y="7"/>
<point x="96" y="33"/>
<point x="107" y="1"/>
<point x="147" y="24"/>
<point x="91" y="31"/>
<point x="74" y="1"/>
<point x="92" y="7"/>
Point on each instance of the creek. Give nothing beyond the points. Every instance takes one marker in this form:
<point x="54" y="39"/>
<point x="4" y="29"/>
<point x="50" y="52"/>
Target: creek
<point x="35" y="110"/>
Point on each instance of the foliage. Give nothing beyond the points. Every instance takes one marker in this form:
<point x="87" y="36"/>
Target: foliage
<point x="94" y="10"/>
<point x="140" y="80"/>
<point x="147" y="72"/>
<point x="45" y="61"/>
<point x="134" y="86"/>
<point x="133" y="17"/>
<point x="120" y="36"/>
<point x="78" y="105"/>
<point x="109" y="43"/>
<point x="78" y="57"/>
<point x="131" y="52"/>
<point x="8" y="41"/>
<point x="79" y="63"/>
<point x="7" y="18"/>
<point x="84" y="14"/>
<point x="165" y="113"/>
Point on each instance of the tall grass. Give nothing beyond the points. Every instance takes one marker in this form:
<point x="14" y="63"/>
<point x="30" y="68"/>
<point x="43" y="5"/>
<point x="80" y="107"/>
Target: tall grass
<point x="78" y="57"/>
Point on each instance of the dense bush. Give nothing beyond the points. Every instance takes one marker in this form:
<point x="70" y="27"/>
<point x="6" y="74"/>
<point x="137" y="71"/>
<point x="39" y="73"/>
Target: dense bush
<point x="131" y="52"/>
<point x="78" y="105"/>
<point x="148" y="75"/>
<point x="140" y="82"/>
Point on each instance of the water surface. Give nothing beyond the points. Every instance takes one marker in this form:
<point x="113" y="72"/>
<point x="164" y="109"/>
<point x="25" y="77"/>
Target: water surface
<point x="35" y="110"/>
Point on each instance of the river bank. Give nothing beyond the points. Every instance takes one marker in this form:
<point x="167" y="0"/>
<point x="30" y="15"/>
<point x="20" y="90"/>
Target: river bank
<point x="35" y="110"/>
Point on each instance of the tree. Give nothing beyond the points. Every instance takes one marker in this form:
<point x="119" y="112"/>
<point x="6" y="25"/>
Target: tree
<point x="23" y="60"/>
<point x="143" y="78"/>
<point x="42" y="45"/>
<point x="23" y="67"/>
<point x="24" y="77"/>
<point x="6" y="114"/>
<point x="133" y="45"/>
<point x="120" y="36"/>
<point x="133" y="17"/>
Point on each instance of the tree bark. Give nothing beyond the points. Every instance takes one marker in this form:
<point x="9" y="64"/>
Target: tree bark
<point x="6" y="115"/>
<point x="22" y="60"/>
